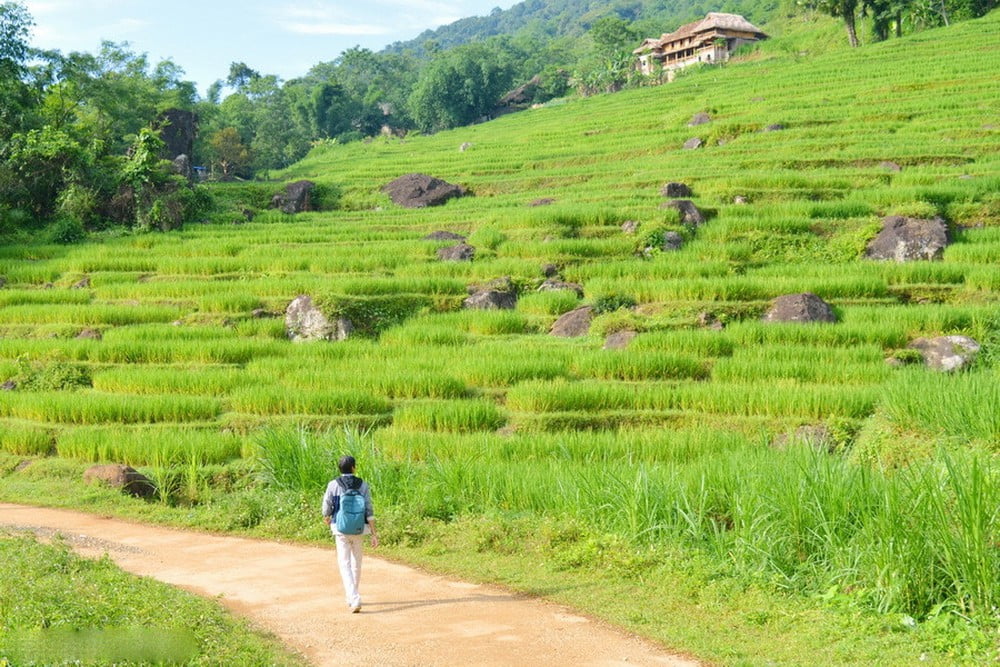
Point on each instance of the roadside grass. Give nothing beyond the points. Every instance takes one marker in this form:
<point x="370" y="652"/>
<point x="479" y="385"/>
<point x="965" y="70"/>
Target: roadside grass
<point x="59" y="608"/>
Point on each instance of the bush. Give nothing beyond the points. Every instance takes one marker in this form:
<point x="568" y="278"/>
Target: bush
<point x="66" y="231"/>
<point x="608" y="303"/>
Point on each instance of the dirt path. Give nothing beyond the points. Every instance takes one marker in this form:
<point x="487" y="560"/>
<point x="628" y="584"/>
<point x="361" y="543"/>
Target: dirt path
<point x="409" y="617"/>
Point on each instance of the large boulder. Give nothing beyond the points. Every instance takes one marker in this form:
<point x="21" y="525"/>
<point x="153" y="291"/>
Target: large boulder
<point x="421" y="190"/>
<point x="805" y="307"/>
<point x="947" y="353"/>
<point x="574" y="323"/>
<point x="676" y="190"/>
<point x="463" y="252"/>
<point x="699" y="118"/>
<point x="182" y="165"/>
<point x="177" y="130"/>
<point x="491" y="299"/>
<point x="121" y="477"/>
<point x="690" y="215"/>
<point x="498" y="294"/>
<point x="305" y="322"/>
<point x="672" y="241"/>
<point x="619" y="340"/>
<point x="908" y="239"/>
<point x="555" y="285"/>
<point x="296" y="198"/>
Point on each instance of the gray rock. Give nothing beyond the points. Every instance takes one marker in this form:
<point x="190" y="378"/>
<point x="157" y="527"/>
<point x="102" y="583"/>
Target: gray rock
<point x="296" y="198"/>
<point x="83" y="283"/>
<point x="464" y="147"/>
<point x="672" y="241"/>
<point x="444" y="236"/>
<point x="805" y="307"/>
<point x="909" y="239"/>
<point x="699" y="118"/>
<point x="305" y="322"/>
<point x="574" y="323"/>
<point x="947" y="353"/>
<point x="890" y="166"/>
<point x="463" y="252"/>
<point x="491" y="300"/>
<point x="693" y="143"/>
<point x="690" y="215"/>
<point x="90" y="334"/>
<point x="543" y="201"/>
<point x="676" y="190"/>
<point x="775" y="127"/>
<point x="619" y="340"/>
<point x="182" y="165"/>
<point x="740" y="199"/>
<point x="9" y="385"/>
<point x="421" y="190"/>
<point x="121" y="477"/>
<point x="550" y="270"/>
<point x="630" y="226"/>
<point x="552" y="285"/>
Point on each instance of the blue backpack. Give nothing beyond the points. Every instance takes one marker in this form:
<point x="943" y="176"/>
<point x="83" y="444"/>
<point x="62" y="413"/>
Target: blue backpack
<point x="350" y="517"/>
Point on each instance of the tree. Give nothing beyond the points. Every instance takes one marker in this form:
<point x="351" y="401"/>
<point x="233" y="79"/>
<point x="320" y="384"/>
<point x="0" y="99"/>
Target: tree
<point x="15" y="28"/>
<point x="459" y="87"/>
<point x="241" y="75"/>
<point x="230" y="153"/>
<point x="845" y="9"/>
<point x="15" y="96"/>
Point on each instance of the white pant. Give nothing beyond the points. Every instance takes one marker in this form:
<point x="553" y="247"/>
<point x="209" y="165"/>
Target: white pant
<point x="349" y="559"/>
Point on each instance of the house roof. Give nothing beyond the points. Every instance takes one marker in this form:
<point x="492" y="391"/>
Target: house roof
<point x="712" y="21"/>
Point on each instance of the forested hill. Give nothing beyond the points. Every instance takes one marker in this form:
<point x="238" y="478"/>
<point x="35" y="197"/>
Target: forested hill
<point x="542" y="20"/>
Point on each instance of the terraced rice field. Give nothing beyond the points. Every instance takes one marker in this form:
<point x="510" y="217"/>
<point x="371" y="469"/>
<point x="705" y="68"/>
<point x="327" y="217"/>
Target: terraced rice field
<point x="184" y="372"/>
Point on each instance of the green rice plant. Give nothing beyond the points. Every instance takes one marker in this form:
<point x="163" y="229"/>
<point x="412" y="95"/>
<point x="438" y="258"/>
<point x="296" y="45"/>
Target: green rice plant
<point x="163" y="446"/>
<point x="183" y="351"/>
<point x="457" y="416"/>
<point x="798" y="399"/>
<point x="88" y="407"/>
<point x="197" y="380"/>
<point x="303" y="461"/>
<point x="490" y="366"/>
<point x="862" y="364"/>
<point x="25" y="440"/>
<point x="962" y="405"/>
<point x="492" y="322"/>
<point x="554" y="302"/>
<point x="48" y="297"/>
<point x="89" y="314"/>
<point x="421" y="331"/>
<point x="271" y="400"/>
<point x="638" y="365"/>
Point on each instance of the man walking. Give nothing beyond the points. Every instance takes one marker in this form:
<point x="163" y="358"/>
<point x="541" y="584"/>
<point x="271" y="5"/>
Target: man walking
<point x="347" y="509"/>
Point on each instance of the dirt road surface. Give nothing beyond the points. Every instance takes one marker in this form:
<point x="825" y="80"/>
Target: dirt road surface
<point x="409" y="617"/>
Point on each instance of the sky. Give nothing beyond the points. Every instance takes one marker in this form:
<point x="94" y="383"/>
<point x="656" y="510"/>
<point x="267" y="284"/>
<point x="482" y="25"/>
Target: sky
<point x="282" y="37"/>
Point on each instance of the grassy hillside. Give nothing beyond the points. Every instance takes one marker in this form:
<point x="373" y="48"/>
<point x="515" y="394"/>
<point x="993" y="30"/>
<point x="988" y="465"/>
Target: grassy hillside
<point x="677" y="471"/>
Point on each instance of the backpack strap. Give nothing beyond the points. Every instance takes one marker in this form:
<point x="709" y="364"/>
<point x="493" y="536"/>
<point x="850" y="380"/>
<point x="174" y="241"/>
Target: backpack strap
<point x="355" y="484"/>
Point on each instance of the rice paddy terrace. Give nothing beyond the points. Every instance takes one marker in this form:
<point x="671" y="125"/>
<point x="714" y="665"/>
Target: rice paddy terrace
<point x="183" y="373"/>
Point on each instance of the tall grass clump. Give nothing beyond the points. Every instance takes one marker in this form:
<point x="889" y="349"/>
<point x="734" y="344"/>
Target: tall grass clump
<point x="24" y="440"/>
<point x="962" y="405"/>
<point x="304" y="461"/>
<point x="149" y="445"/>
<point x="457" y="416"/>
